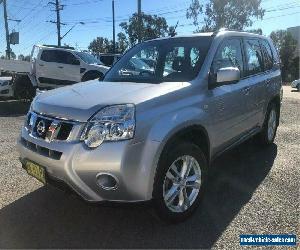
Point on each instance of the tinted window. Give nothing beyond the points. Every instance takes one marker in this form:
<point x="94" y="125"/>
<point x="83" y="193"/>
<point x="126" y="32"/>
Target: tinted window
<point x="107" y="60"/>
<point x="253" y="57"/>
<point x="267" y="53"/>
<point x="58" y="57"/>
<point x="48" y="56"/>
<point x="65" y="57"/>
<point x="229" y="54"/>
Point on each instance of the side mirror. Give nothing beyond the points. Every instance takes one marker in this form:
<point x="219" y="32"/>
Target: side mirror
<point x="228" y="75"/>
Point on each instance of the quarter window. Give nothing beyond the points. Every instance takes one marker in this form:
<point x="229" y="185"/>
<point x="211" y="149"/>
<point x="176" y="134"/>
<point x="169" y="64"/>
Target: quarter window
<point x="228" y="55"/>
<point x="268" y="56"/>
<point x="253" y="57"/>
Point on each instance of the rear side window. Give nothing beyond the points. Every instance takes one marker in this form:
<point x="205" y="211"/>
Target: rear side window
<point x="229" y="54"/>
<point x="254" y="58"/>
<point x="268" y="55"/>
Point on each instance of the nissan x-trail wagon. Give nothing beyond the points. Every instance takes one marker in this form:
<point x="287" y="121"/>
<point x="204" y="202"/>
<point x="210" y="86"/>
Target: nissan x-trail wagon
<point x="150" y="131"/>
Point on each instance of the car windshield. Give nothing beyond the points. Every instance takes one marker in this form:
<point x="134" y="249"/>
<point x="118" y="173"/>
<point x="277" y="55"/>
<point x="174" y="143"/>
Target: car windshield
<point x="88" y="58"/>
<point x="165" y="60"/>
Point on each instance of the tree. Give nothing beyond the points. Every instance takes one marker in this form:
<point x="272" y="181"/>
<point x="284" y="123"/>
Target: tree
<point x="231" y="14"/>
<point x="21" y="57"/>
<point x="152" y="26"/>
<point x="101" y="45"/>
<point x="13" y="55"/>
<point x="286" y="46"/>
<point x="122" y="43"/>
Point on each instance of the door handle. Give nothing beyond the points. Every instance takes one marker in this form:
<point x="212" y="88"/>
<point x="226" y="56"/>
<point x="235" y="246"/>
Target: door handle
<point x="61" y="67"/>
<point x="41" y="65"/>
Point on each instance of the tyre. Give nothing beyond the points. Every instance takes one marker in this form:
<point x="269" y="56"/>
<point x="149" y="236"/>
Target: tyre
<point x="298" y="87"/>
<point x="91" y="76"/>
<point x="23" y="89"/>
<point x="179" y="182"/>
<point x="268" y="133"/>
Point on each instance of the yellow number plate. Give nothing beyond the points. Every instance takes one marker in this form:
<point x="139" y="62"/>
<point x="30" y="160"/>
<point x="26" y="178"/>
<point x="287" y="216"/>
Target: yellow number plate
<point x="36" y="171"/>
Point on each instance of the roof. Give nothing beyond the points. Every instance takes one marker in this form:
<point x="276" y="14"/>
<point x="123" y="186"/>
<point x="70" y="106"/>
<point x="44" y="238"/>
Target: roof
<point x="220" y="32"/>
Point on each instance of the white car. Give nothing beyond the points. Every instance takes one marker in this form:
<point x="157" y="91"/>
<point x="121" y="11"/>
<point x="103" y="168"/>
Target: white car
<point x="296" y="84"/>
<point x="51" y="67"/>
<point x="6" y="89"/>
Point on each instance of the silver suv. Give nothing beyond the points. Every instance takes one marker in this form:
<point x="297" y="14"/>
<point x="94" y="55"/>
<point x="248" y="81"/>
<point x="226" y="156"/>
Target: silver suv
<point x="150" y="131"/>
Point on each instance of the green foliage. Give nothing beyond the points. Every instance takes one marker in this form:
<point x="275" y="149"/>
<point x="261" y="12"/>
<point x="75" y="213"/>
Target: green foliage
<point x="286" y="46"/>
<point x="101" y="45"/>
<point x="104" y="45"/>
<point x="231" y="14"/>
<point x="152" y="26"/>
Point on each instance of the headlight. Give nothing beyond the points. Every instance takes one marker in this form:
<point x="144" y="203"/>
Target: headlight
<point x="112" y="123"/>
<point x="5" y="83"/>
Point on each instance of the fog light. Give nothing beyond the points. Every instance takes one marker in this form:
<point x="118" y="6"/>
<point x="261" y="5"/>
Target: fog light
<point x="107" y="181"/>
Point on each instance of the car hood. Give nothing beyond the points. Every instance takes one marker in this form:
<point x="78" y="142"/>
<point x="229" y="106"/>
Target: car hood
<point x="80" y="101"/>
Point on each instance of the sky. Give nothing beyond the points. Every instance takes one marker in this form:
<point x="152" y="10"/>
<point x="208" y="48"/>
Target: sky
<point x="35" y="15"/>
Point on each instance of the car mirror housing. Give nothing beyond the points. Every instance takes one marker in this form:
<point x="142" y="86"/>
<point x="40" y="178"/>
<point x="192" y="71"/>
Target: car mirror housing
<point x="228" y="75"/>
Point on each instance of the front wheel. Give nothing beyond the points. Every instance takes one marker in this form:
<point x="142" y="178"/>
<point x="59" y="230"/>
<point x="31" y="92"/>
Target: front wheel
<point x="179" y="180"/>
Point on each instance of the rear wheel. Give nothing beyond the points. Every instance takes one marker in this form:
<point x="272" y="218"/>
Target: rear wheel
<point x="179" y="180"/>
<point x="268" y="133"/>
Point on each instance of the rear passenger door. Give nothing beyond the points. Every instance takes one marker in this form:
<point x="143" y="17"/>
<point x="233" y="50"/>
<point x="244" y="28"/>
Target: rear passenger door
<point x="255" y="80"/>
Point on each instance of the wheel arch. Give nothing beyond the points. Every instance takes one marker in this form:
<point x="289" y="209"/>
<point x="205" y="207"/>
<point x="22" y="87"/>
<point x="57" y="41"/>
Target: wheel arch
<point x="196" y="134"/>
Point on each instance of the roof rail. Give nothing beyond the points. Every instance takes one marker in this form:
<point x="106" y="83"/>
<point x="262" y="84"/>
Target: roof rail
<point x="59" y="47"/>
<point x="223" y="29"/>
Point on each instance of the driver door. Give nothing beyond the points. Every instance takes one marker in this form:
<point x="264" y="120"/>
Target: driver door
<point x="227" y="104"/>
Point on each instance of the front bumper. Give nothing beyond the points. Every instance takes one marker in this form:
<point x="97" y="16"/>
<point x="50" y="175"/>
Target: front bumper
<point x="133" y="164"/>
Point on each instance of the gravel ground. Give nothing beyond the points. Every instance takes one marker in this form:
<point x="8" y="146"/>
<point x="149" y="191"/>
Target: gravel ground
<point x="251" y="191"/>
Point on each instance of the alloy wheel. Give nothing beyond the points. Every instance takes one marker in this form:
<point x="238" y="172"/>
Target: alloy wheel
<point x="182" y="184"/>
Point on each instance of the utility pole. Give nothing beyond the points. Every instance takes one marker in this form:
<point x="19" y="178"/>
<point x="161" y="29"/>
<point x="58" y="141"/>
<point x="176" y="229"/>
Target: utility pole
<point x="139" y="20"/>
<point x="114" y="30"/>
<point x="6" y="30"/>
<point x="57" y="9"/>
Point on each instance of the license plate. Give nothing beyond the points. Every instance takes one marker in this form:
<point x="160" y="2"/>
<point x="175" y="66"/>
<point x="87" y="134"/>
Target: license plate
<point x="36" y="171"/>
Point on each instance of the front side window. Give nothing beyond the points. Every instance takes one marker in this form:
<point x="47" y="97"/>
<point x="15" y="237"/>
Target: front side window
<point x="88" y="58"/>
<point x="166" y="60"/>
<point x="229" y="54"/>
<point x="65" y="57"/>
<point x="268" y="55"/>
<point x="253" y="57"/>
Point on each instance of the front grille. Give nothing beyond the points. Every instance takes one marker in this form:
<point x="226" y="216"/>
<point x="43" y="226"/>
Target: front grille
<point x="53" y="154"/>
<point x="48" y="128"/>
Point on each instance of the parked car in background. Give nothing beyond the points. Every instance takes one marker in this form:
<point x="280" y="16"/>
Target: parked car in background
<point x="6" y="89"/>
<point x="109" y="59"/>
<point x="296" y="84"/>
<point x="153" y="135"/>
<point x="51" y="67"/>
